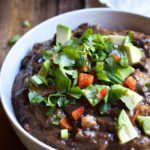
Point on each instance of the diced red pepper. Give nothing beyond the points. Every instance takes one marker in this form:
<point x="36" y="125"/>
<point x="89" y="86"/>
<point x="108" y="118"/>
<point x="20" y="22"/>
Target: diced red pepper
<point x="85" y="80"/>
<point x="76" y="114"/>
<point x="117" y="57"/>
<point x="64" y="123"/>
<point x="130" y="82"/>
<point x="101" y="94"/>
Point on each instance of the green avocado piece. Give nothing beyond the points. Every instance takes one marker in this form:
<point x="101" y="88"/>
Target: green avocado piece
<point x="44" y="69"/>
<point x="125" y="130"/>
<point x="144" y="122"/>
<point x="125" y="72"/>
<point x="91" y="91"/>
<point x="131" y="99"/>
<point x="63" y="34"/>
<point x="116" y="39"/>
<point x="134" y="54"/>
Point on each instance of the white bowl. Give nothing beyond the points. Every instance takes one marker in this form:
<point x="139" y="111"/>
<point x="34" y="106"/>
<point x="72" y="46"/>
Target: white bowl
<point x="106" y="18"/>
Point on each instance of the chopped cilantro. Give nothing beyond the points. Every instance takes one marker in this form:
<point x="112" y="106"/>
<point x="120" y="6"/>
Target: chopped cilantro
<point x="81" y="61"/>
<point x="38" y="80"/>
<point x="14" y="39"/>
<point x="50" y="111"/>
<point x="75" y="92"/>
<point x="57" y="47"/>
<point x="71" y="53"/>
<point x="26" y="23"/>
<point x="34" y="97"/>
<point x="129" y="38"/>
<point x="104" y="108"/>
<point x="148" y="86"/>
<point x="56" y="120"/>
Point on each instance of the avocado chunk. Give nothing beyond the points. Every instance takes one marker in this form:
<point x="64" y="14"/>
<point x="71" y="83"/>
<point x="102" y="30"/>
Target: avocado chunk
<point x="116" y="39"/>
<point x="44" y="69"/>
<point x="144" y="122"/>
<point x="131" y="99"/>
<point x="125" y="72"/>
<point x="63" y="34"/>
<point x="91" y="91"/>
<point x="134" y="54"/>
<point x="125" y="130"/>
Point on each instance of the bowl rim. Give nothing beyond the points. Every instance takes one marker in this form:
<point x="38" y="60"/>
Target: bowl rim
<point x="5" y="107"/>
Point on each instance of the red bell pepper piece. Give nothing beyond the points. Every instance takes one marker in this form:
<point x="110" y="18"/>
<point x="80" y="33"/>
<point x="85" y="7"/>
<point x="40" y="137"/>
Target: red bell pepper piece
<point x="64" y="123"/>
<point x="85" y="80"/>
<point x="101" y="94"/>
<point x="117" y="57"/>
<point x="76" y="114"/>
<point x="130" y="83"/>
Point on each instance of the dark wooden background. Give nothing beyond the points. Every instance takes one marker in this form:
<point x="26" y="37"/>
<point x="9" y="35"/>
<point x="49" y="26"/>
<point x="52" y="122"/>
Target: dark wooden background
<point x="12" y="13"/>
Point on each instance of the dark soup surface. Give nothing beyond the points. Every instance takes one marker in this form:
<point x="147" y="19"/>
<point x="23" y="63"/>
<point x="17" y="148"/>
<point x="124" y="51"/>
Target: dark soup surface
<point x="87" y="89"/>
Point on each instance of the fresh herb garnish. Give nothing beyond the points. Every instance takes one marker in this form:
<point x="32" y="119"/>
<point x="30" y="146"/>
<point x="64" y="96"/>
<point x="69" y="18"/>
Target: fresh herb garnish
<point x="50" y="111"/>
<point x="57" y="47"/>
<point x="14" y="39"/>
<point x="148" y="86"/>
<point x="63" y="63"/>
<point x="75" y="92"/>
<point x="56" y="120"/>
<point x="35" y="97"/>
<point x="26" y="23"/>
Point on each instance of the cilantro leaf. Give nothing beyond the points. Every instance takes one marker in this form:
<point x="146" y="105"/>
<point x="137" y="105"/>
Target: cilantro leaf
<point x="104" y="108"/>
<point x="115" y="94"/>
<point x="71" y="53"/>
<point x="75" y="92"/>
<point x="50" y="111"/>
<point x="124" y="62"/>
<point x="148" y="86"/>
<point x="47" y="54"/>
<point x="63" y="83"/>
<point x="52" y="99"/>
<point x="56" y="120"/>
<point x="57" y="47"/>
<point x="35" y="97"/>
<point x="129" y="38"/>
<point x="38" y="80"/>
<point x="86" y="34"/>
<point x="81" y="61"/>
<point x="63" y="60"/>
<point x="109" y="46"/>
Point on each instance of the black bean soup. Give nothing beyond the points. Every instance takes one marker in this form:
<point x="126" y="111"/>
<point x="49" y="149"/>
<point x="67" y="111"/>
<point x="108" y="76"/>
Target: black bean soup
<point x="92" y="131"/>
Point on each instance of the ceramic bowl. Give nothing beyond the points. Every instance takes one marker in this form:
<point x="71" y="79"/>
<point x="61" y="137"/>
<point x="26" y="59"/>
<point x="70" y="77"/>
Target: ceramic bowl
<point x="106" y="18"/>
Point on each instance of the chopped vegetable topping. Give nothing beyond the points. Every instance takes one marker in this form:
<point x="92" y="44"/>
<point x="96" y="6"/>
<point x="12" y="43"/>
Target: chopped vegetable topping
<point x="126" y="131"/>
<point x="64" y="133"/>
<point x="14" y="39"/>
<point x="76" y="114"/>
<point x="56" y="120"/>
<point x="101" y="94"/>
<point x="117" y="57"/>
<point x="64" y="123"/>
<point x="93" y="66"/>
<point x="130" y="83"/>
<point x="26" y="23"/>
<point x="85" y="80"/>
<point x="148" y="86"/>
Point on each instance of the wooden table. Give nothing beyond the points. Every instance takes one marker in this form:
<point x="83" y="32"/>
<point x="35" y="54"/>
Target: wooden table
<point x="12" y="13"/>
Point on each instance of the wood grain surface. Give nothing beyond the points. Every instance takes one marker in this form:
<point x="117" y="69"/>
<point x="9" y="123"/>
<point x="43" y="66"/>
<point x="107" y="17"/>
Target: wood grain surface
<point x="12" y="13"/>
